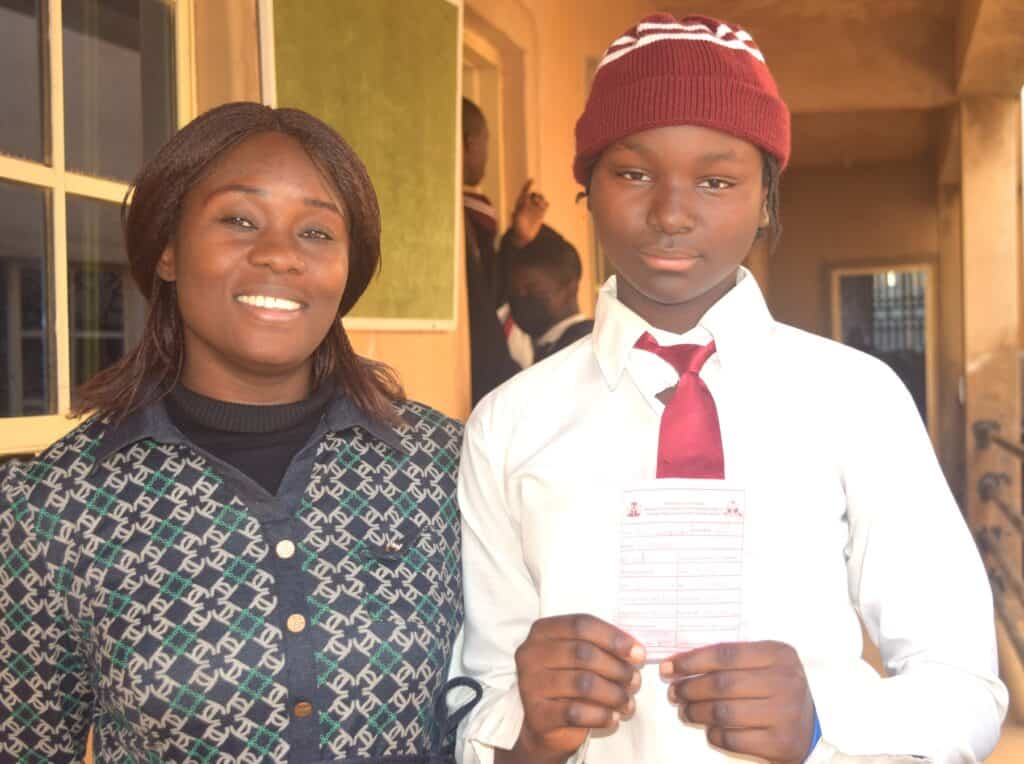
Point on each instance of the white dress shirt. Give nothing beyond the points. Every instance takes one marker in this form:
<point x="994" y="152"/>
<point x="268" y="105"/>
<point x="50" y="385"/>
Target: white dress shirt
<point x="847" y="513"/>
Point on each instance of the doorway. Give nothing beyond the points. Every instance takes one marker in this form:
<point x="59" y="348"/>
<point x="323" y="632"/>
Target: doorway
<point x="889" y="312"/>
<point x="482" y="83"/>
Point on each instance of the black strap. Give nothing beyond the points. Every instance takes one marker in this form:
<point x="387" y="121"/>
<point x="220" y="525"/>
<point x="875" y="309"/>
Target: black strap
<point x="447" y="724"/>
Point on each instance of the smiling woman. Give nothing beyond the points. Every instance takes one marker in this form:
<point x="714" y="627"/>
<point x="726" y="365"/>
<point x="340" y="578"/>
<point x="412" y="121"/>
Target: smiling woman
<point x="259" y="264"/>
<point x="250" y="552"/>
<point x="235" y="197"/>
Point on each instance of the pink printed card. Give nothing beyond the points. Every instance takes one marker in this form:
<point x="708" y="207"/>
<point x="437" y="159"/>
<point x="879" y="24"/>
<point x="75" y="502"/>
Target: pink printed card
<point x="681" y="564"/>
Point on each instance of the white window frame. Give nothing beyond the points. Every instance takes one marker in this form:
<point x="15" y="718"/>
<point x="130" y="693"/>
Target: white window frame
<point x="30" y="434"/>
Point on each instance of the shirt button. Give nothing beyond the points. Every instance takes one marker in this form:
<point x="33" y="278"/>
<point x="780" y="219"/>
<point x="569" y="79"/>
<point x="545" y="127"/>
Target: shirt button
<point x="295" y="623"/>
<point x="302" y="709"/>
<point x="285" y="549"/>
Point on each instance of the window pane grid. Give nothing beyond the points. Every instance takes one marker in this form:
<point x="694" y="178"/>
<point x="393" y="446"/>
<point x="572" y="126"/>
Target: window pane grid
<point x="26" y="352"/>
<point x="166" y="29"/>
<point x="25" y="116"/>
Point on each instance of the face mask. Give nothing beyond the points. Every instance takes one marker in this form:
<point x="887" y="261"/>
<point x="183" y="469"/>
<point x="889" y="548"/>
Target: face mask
<point x="531" y="314"/>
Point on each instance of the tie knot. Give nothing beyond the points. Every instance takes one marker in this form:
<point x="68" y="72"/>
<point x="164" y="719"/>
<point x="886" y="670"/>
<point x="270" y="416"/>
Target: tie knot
<point x="684" y="358"/>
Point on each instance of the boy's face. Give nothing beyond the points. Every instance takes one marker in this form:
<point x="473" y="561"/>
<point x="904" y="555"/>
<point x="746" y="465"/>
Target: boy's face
<point x="538" y="299"/>
<point x="676" y="211"/>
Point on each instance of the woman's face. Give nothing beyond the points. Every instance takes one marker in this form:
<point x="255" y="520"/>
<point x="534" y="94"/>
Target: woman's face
<point x="260" y="262"/>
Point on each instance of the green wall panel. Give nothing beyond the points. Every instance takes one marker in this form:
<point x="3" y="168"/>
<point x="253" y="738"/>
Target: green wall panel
<point x="383" y="73"/>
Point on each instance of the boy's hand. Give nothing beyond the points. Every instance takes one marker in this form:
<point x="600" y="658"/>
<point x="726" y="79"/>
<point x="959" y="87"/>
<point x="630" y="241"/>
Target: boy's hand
<point x="528" y="215"/>
<point x="752" y="697"/>
<point x="576" y="673"/>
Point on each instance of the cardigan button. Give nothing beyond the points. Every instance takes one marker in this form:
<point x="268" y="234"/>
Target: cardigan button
<point x="302" y="709"/>
<point x="296" y="623"/>
<point x="285" y="549"/>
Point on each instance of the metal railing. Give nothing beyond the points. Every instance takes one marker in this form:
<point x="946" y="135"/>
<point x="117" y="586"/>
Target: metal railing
<point x="986" y="433"/>
<point x="1007" y="584"/>
<point x="988" y="490"/>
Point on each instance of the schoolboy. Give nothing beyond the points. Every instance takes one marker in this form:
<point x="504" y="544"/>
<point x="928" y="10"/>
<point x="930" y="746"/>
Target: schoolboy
<point x="543" y="281"/>
<point x="491" y="358"/>
<point x="847" y="513"/>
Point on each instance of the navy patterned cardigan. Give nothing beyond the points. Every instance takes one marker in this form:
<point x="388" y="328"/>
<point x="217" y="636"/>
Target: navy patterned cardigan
<point x="140" y="595"/>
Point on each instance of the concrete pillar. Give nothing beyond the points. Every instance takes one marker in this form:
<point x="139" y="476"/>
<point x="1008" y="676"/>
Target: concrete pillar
<point x="951" y="433"/>
<point x="990" y="171"/>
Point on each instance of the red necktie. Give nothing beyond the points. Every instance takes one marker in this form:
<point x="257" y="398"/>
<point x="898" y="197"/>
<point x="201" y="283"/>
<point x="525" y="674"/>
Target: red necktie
<point x="690" y="440"/>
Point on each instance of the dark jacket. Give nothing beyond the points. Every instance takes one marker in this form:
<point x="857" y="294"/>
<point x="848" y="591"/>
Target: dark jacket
<point x="572" y="333"/>
<point x="490" y="361"/>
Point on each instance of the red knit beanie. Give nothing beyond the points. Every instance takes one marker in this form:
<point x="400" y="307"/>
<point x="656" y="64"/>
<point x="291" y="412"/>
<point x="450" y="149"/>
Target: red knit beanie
<point x="698" y="71"/>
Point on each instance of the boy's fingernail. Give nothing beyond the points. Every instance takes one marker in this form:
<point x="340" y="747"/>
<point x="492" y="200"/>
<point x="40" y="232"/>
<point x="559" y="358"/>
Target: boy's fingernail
<point x="672" y="693"/>
<point x="634" y="683"/>
<point x="616" y="716"/>
<point x="637" y="653"/>
<point x="666" y="668"/>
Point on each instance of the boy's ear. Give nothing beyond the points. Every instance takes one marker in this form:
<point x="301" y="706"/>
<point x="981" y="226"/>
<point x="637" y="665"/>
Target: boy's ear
<point x="166" y="266"/>
<point x="766" y="216"/>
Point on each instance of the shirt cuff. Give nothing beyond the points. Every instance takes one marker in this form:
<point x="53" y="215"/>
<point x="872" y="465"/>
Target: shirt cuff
<point x="496" y="723"/>
<point x="826" y="753"/>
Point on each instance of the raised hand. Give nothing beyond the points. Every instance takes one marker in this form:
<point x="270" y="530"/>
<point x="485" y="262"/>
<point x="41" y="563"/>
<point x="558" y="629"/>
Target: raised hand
<point x="528" y="215"/>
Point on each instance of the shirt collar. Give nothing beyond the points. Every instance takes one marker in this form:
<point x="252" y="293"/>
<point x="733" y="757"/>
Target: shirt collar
<point x="737" y="323"/>
<point x="343" y="414"/>
<point x="152" y="422"/>
<point x="555" y="332"/>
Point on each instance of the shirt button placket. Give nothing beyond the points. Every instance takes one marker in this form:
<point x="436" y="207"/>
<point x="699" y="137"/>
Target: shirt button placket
<point x="298" y="638"/>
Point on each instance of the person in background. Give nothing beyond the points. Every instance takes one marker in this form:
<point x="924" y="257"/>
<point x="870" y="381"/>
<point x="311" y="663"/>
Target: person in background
<point x="847" y="517"/>
<point x="490" y="360"/>
<point x="543" y="282"/>
<point x="250" y="551"/>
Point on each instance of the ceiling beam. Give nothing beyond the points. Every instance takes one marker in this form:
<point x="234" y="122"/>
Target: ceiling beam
<point x="989" y="48"/>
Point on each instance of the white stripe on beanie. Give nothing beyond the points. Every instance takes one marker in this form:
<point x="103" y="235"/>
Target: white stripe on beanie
<point x="651" y="32"/>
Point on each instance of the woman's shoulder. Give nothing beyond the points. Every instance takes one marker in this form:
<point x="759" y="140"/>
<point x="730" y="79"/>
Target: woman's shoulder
<point x="423" y="421"/>
<point x="68" y="455"/>
<point x="31" y="489"/>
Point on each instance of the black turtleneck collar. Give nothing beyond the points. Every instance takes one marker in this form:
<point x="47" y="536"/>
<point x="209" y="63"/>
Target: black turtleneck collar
<point x="245" y="418"/>
<point x="260" y="441"/>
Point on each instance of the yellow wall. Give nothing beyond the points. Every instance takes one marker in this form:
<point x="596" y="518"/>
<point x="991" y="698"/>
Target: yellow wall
<point x="863" y="215"/>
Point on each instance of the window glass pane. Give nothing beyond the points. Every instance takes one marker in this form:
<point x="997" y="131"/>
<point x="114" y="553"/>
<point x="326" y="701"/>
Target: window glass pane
<point x="106" y="310"/>
<point x="21" y="97"/>
<point x="118" y="84"/>
<point x="26" y="346"/>
<point x="883" y="314"/>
